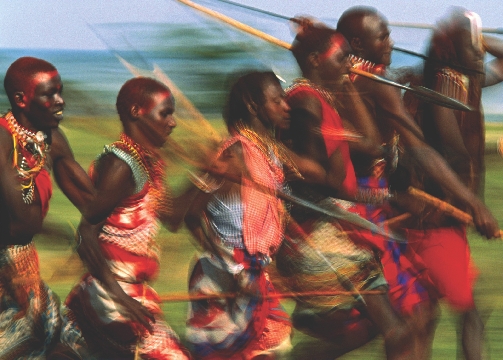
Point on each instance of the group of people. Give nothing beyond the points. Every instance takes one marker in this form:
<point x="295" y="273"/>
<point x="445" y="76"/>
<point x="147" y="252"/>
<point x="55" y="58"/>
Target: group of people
<point x="264" y="207"/>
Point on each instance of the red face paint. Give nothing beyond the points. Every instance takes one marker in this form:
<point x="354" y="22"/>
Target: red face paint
<point x="45" y="104"/>
<point x="336" y="42"/>
<point x="37" y="79"/>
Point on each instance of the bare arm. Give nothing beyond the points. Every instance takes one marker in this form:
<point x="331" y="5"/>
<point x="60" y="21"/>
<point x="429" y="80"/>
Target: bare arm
<point x="309" y="144"/>
<point x="494" y="68"/>
<point x="173" y="218"/>
<point x="94" y="202"/>
<point x="457" y="155"/>
<point x="430" y="161"/>
<point x="356" y="117"/>
<point x="71" y="177"/>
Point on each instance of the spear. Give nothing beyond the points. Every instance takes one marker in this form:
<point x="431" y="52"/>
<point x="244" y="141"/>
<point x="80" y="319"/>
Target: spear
<point x="420" y="91"/>
<point x="449" y="209"/>
<point x="177" y="297"/>
<point x="397" y="24"/>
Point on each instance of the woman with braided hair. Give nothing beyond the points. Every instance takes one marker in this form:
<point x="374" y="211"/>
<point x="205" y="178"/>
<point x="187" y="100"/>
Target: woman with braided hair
<point x="239" y="222"/>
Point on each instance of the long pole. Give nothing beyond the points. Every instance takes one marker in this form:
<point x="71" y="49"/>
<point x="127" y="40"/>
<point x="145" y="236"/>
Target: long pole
<point x="176" y="297"/>
<point x="449" y="209"/>
<point x="422" y="92"/>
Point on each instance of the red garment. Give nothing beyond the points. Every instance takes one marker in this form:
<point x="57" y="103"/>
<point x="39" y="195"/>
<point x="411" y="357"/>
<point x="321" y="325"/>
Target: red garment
<point x="405" y="271"/>
<point x="446" y="254"/>
<point x="127" y="240"/>
<point x="263" y="221"/>
<point x="331" y="123"/>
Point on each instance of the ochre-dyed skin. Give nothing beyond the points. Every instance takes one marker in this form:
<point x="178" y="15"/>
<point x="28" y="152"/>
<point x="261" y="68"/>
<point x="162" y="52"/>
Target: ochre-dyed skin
<point x="42" y="102"/>
<point x="156" y="120"/>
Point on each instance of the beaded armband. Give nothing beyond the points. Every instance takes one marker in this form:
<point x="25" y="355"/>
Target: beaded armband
<point x="373" y="196"/>
<point x="140" y="176"/>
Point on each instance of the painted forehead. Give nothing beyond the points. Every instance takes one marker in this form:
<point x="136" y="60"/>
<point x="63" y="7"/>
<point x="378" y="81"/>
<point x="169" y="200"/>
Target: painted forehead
<point x="39" y="78"/>
<point x="337" y="41"/>
<point x="158" y="97"/>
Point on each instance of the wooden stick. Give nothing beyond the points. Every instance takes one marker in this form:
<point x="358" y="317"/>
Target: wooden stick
<point x="425" y="93"/>
<point x="283" y="295"/>
<point x="446" y="207"/>
<point x="238" y="25"/>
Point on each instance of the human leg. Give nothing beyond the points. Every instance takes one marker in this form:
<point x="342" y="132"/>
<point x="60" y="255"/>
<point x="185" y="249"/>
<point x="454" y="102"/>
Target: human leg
<point x="446" y="253"/>
<point x="472" y="330"/>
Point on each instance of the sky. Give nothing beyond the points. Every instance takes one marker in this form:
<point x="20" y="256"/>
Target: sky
<point x="62" y="24"/>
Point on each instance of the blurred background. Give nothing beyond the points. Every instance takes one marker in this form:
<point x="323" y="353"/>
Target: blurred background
<point x="82" y="39"/>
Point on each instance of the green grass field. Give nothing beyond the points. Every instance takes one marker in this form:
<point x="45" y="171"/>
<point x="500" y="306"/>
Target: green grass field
<point x="61" y="267"/>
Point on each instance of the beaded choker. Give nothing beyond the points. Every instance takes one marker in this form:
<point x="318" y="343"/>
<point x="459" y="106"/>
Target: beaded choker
<point x="29" y="155"/>
<point x="366" y="65"/>
<point x="153" y="167"/>
<point x="326" y="94"/>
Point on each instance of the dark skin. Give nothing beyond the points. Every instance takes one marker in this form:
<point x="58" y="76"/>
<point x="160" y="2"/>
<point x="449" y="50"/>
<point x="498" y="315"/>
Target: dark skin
<point x="463" y="145"/>
<point x="379" y="317"/>
<point x="374" y="44"/>
<point x="150" y="127"/>
<point x="307" y="115"/>
<point x="39" y="107"/>
<point x="18" y="221"/>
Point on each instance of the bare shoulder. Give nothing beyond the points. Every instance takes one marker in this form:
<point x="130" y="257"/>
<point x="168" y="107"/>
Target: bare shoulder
<point x="112" y="171"/>
<point x="6" y="142"/>
<point x="307" y="101"/>
<point x="60" y="146"/>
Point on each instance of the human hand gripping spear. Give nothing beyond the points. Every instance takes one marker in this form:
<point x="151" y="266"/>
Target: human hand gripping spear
<point x="447" y="208"/>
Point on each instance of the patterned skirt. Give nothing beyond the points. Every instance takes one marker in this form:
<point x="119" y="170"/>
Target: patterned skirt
<point x="243" y="326"/>
<point x="322" y="258"/>
<point x="94" y="328"/>
<point x="29" y="316"/>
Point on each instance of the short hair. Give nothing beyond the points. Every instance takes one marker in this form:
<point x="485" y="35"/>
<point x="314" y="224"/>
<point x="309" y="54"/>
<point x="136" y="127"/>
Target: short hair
<point x="139" y="91"/>
<point x="311" y="38"/>
<point x="247" y="90"/>
<point x="21" y="72"/>
<point x="349" y="23"/>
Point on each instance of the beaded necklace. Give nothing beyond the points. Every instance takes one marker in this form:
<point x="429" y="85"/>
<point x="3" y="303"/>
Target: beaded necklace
<point x="366" y="65"/>
<point x="266" y="144"/>
<point x="153" y="166"/>
<point x="35" y="145"/>
<point x="326" y="94"/>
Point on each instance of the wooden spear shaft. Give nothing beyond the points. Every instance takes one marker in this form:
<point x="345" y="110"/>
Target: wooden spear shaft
<point x="283" y="295"/>
<point x="237" y="24"/>
<point x="425" y="93"/>
<point x="446" y="207"/>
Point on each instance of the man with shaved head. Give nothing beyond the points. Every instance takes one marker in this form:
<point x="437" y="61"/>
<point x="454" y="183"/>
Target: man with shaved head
<point x="368" y="34"/>
<point x="30" y="317"/>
